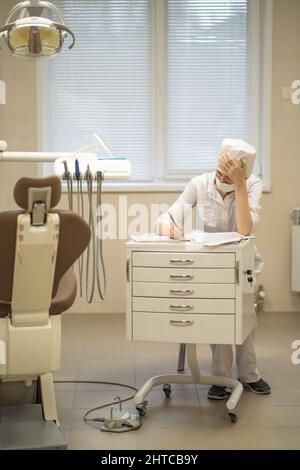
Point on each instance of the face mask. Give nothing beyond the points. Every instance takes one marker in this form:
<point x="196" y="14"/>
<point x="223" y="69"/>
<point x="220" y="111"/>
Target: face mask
<point x="226" y="188"/>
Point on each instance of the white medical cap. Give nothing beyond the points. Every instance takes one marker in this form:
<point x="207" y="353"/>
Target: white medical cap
<point x="237" y="149"/>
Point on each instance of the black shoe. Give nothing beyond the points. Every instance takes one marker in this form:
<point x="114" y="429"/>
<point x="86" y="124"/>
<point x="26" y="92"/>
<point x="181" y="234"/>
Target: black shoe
<point x="260" y="387"/>
<point x="217" y="393"/>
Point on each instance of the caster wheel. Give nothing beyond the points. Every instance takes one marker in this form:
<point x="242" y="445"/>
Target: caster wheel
<point x="167" y="390"/>
<point x="141" y="409"/>
<point x="141" y="412"/>
<point x="234" y="415"/>
<point x="233" y="418"/>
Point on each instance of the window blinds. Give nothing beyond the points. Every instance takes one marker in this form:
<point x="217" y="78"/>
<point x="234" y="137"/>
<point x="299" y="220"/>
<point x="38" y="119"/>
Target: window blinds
<point x="104" y="84"/>
<point x="207" y="80"/>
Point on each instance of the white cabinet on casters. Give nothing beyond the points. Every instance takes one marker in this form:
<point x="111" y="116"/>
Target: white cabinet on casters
<point x="184" y="293"/>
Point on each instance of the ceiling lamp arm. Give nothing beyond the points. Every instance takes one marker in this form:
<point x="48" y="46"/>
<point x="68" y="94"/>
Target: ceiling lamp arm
<point x="67" y="30"/>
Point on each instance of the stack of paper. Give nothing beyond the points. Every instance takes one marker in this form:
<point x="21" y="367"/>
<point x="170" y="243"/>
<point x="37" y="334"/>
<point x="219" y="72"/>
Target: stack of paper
<point x="217" y="238"/>
<point x="153" y="237"/>
<point x="204" y="238"/>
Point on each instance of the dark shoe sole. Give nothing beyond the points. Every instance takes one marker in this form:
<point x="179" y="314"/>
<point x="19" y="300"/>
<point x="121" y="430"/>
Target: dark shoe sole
<point x="258" y="392"/>
<point x="219" y="397"/>
<point x="215" y="397"/>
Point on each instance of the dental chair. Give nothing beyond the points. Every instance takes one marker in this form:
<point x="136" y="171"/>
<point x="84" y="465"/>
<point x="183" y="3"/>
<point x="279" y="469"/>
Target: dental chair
<point x="38" y="246"/>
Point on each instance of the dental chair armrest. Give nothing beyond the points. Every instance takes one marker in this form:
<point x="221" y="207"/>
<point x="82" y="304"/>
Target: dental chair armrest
<point x="65" y="295"/>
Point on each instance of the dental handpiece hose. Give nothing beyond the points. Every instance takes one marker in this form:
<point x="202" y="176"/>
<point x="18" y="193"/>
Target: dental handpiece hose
<point x="80" y="211"/>
<point x="99" y="247"/>
<point x="90" y="289"/>
<point x="68" y="177"/>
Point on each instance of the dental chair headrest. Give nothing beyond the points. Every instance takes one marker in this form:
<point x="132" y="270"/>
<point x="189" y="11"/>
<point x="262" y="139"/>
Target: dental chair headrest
<point x="23" y="185"/>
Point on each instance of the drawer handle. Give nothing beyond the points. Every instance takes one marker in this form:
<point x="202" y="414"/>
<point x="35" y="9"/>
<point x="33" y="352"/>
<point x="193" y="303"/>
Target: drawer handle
<point x="183" y="261"/>
<point x="182" y="307"/>
<point x="181" y="276"/>
<point x="181" y="322"/>
<point x="181" y="291"/>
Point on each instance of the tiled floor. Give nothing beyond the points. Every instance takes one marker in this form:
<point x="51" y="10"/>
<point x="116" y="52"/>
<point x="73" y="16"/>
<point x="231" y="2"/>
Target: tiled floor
<point x="94" y="348"/>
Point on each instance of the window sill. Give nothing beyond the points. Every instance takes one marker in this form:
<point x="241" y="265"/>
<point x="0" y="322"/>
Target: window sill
<point x="166" y="187"/>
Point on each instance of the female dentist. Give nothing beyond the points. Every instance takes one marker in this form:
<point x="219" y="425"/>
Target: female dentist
<point x="228" y="200"/>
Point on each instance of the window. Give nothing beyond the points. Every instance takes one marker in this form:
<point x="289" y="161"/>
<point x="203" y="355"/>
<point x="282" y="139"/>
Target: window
<point x="161" y="81"/>
<point x="104" y="85"/>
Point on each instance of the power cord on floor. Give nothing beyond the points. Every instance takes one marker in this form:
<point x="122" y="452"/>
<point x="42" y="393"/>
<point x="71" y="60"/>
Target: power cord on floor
<point x="117" y="422"/>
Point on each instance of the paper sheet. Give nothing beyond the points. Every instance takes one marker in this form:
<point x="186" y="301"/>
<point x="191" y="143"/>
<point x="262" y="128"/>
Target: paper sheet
<point x="215" y="239"/>
<point x="204" y="238"/>
<point x="153" y="237"/>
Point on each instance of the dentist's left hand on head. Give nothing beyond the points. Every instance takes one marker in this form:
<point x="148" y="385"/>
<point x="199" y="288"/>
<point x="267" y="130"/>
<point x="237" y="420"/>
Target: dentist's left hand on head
<point x="235" y="172"/>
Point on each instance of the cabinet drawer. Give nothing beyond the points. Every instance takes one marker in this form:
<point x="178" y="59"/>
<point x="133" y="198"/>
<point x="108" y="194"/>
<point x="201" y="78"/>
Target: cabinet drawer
<point x="205" y="329"/>
<point x="194" y="291"/>
<point x="177" y="305"/>
<point x="184" y="259"/>
<point x="209" y="276"/>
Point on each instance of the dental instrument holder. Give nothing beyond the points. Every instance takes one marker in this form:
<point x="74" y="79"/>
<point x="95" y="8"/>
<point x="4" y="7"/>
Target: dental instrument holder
<point x="112" y="168"/>
<point x="96" y="246"/>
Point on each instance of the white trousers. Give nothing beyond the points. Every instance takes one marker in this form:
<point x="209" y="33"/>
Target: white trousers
<point x="246" y="362"/>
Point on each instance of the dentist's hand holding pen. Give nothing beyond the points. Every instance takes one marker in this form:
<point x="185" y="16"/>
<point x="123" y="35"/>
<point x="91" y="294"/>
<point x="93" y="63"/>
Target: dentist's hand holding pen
<point x="169" y="229"/>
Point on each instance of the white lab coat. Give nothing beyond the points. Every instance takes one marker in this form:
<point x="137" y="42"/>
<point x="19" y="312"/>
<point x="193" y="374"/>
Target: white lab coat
<point x="217" y="215"/>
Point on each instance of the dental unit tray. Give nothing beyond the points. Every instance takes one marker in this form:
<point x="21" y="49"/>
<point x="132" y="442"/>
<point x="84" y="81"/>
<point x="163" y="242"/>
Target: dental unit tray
<point x="112" y="168"/>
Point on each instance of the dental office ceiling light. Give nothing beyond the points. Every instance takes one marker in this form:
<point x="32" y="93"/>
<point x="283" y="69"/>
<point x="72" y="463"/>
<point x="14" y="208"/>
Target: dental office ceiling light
<point x="29" y="34"/>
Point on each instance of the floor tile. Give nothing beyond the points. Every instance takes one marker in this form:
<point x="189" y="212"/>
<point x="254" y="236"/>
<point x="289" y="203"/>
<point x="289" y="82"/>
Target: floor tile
<point x="94" y="348"/>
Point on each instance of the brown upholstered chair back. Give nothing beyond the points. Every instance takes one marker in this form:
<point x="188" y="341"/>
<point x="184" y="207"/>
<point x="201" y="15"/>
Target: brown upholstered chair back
<point x="74" y="237"/>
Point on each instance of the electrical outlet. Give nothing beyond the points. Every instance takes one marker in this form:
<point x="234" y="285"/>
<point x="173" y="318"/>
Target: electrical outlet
<point x="287" y="93"/>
